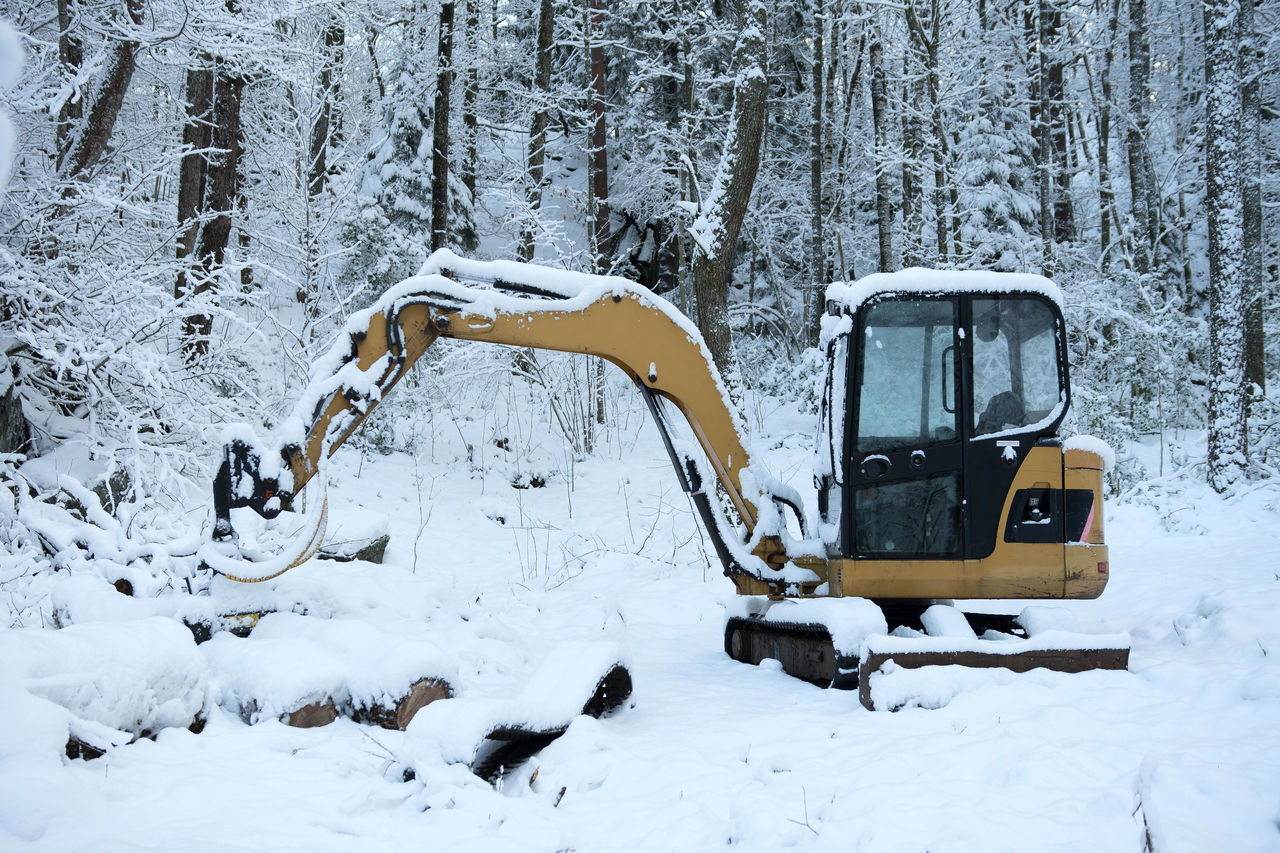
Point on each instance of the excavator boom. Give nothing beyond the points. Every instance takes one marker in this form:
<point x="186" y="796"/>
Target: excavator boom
<point x="525" y="306"/>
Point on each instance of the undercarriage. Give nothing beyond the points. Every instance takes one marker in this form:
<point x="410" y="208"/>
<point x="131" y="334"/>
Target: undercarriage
<point x="916" y="634"/>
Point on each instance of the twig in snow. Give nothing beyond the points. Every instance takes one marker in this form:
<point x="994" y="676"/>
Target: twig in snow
<point x="804" y="798"/>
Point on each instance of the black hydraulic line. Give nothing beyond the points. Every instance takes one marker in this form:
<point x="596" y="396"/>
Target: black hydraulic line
<point x="691" y="482"/>
<point x="525" y="289"/>
<point x="659" y="418"/>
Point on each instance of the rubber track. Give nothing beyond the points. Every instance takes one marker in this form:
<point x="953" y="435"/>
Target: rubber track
<point x="803" y="642"/>
<point x="507" y="747"/>
<point x="808" y="652"/>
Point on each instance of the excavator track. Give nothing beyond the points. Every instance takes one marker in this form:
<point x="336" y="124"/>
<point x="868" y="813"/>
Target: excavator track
<point x="805" y="651"/>
<point x="507" y="747"/>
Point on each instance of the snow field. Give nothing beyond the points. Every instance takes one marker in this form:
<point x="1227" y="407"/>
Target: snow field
<point x="1182" y="749"/>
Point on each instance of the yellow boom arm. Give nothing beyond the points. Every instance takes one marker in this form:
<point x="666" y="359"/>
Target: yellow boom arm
<point x="524" y="306"/>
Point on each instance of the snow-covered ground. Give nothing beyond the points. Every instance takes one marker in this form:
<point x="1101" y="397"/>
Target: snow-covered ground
<point x="483" y="580"/>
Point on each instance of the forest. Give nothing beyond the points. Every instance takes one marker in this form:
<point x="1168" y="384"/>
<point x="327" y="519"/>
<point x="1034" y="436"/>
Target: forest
<point x="201" y="191"/>
<point x="208" y="206"/>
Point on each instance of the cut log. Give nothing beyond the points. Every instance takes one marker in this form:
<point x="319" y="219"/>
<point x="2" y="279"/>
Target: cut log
<point x="312" y="715"/>
<point x="77" y="748"/>
<point x="370" y="551"/>
<point x="357" y="534"/>
<point x="423" y="692"/>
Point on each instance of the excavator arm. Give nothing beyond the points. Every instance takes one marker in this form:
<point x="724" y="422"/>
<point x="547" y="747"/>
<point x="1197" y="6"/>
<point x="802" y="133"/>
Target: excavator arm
<point x="528" y="306"/>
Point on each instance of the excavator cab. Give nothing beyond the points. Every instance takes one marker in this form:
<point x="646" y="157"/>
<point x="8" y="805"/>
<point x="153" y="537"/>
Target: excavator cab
<point x="953" y="394"/>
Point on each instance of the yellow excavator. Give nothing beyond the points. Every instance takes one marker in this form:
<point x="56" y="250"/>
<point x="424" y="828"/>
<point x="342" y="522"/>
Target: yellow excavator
<point x="939" y="470"/>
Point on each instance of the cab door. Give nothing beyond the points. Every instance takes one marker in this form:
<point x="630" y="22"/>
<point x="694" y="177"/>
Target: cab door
<point x="1017" y="369"/>
<point x="905" y="459"/>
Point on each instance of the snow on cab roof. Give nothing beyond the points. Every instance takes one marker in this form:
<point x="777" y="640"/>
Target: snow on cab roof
<point x="851" y="294"/>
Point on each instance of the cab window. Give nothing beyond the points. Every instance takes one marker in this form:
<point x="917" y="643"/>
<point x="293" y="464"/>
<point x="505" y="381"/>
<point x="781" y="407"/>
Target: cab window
<point x="907" y="397"/>
<point x="1016" y="381"/>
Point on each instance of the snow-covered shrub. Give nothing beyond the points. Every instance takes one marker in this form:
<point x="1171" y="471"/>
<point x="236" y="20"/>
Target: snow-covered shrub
<point x="1137" y="362"/>
<point x="999" y="212"/>
<point x="1264" y="436"/>
<point x="771" y="367"/>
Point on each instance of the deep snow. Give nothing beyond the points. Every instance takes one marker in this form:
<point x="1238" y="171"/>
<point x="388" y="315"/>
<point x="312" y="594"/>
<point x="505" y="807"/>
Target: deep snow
<point x="1179" y="753"/>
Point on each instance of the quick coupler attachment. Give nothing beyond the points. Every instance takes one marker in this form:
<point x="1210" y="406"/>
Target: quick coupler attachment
<point x="240" y="483"/>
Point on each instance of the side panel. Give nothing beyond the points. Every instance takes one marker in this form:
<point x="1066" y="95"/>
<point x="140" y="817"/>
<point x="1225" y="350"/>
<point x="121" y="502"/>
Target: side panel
<point x="1088" y="563"/>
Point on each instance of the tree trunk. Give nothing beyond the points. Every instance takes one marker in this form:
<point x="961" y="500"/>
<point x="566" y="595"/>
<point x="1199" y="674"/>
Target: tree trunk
<point x="1044" y="149"/>
<point x="470" y="94"/>
<point x="598" y="231"/>
<point x="322" y="128"/>
<point x="1140" y="189"/>
<point x="1251" y="69"/>
<point x="221" y="187"/>
<point x="715" y="230"/>
<point x="913" y="142"/>
<point x="196" y="140"/>
<point x="370" y="37"/>
<point x="684" y="246"/>
<point x="440" y="131"/>
<point x="243" y="240"/>
<point x="87" y="145"/>
<point x="71" y="58"/>
<point x="849" y="84"/>
<point x="939" y="131"/>
<point x="832" y="120"/>
<point x="1106" y="195"/>
<point x="817" y="254"/>
<point x="668" y="234"/>
<point x="538" y="128"/>
<point x="597" y="156"/>
<point x="1226" y="445"/>
<point x="880" y="119"/>
<point x="1063" y="216"/>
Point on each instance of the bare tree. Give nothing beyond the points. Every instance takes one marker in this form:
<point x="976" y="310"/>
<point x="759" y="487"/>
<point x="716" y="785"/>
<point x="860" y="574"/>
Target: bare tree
<point x="470" y="94"/>
<point x="913" y="155"/>
<point x="208" y="190"/>
<point x="597" y="153"/>
<point x="1141" y="176"/>
<point x="817" y="253"/>
<point x="1226" y="450"/>
<point x="71" y="58"/>
<point x="324" y="126"/>
<point x="1053" y="28"/>
<point x="1035" y="21"/>
<point x="1102" y="123"/>
<point x="196" y="140"/>
<point x="440" y="130"/>
<point x="1251" y="68"/>
<point x="927" y="41"/>
<point x="879" y="117"/>
<point x="87" y="142"/>
<point x="724" y="206"/>
<point x="538" y="127"/>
